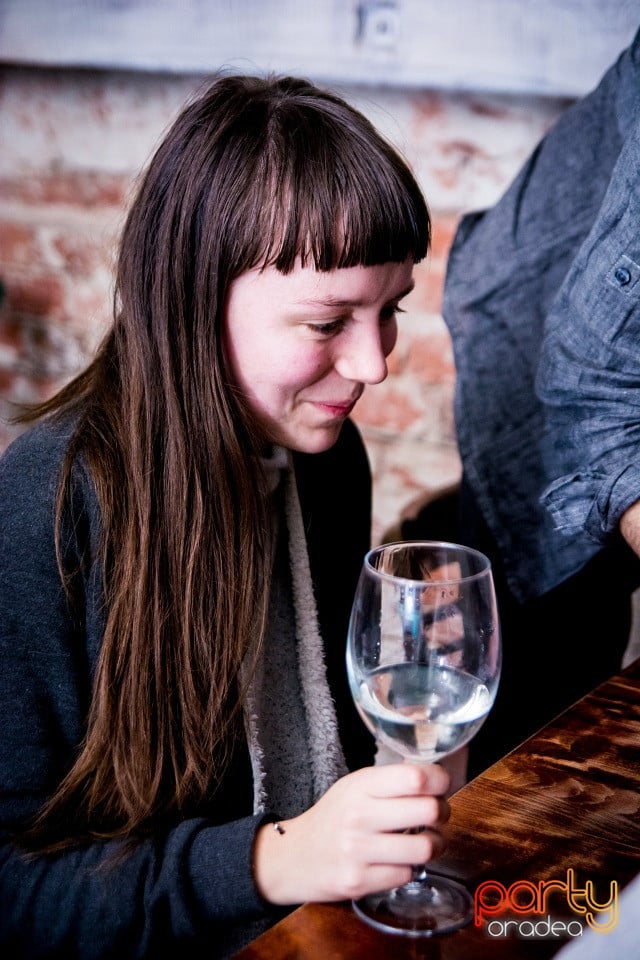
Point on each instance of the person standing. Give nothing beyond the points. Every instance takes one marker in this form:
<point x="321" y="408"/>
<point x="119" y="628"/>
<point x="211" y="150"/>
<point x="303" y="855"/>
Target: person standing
<point x="541" y="301"/>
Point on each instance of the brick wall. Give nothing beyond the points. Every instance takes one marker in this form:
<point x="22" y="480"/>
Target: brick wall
<point x="73" y="143"/>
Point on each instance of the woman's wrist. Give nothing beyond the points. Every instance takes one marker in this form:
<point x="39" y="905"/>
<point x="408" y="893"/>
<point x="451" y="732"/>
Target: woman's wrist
<point x="271" y="863"/>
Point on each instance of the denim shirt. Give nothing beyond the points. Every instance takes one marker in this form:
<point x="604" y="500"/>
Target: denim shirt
<point x="541" y="300"/>
<point x="589" y="373"/>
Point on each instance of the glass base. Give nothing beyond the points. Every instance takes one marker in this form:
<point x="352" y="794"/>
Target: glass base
<point x="422" y="908"/>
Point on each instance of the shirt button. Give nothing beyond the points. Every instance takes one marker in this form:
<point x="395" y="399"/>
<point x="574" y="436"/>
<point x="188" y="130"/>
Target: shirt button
<point x="622" y="275"/>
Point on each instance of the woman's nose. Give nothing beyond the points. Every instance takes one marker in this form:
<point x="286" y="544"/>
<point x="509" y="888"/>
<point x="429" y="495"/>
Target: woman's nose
<point x="363" y="357"/>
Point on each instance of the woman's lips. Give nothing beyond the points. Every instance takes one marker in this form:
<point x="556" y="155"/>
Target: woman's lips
<point x="335" y="408"/>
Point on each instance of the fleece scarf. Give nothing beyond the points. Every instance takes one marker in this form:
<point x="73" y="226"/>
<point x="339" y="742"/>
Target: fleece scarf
<point x="326" y="758"/>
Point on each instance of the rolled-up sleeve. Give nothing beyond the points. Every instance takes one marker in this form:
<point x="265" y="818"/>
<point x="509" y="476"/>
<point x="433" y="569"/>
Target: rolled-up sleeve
<point x="589" y="372"/>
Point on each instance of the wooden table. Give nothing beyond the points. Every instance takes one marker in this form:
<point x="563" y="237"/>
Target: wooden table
<point x="566" y="799"/>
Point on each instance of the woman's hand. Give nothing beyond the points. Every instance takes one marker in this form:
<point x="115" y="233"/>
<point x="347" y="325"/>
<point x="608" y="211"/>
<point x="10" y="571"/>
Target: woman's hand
<point x="350" y="842"/>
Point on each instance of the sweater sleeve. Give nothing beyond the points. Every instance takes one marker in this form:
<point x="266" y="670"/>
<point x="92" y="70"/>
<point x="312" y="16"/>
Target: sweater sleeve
<point x="187" y="885"/>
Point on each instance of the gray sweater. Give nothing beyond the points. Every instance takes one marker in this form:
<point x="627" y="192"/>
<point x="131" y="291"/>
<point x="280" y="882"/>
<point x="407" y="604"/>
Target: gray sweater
<point x="189" y="888"/>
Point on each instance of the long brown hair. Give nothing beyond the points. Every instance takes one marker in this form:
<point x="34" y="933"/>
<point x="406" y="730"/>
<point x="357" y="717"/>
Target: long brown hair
<point x="253" y="172"/>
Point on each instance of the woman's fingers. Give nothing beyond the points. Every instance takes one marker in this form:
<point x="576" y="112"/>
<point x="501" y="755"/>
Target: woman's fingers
<point x="403" y="779"/>
<point x="398" y="813"/>
<point x="404" y="848"/>
<point x="381" y="877"/>
<point x="357" y="836"/>
<point x="389" y="863"/>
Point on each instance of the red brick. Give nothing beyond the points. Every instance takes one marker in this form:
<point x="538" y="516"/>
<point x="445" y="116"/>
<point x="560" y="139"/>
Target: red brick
<point x="427" y="295"/>
<point x="36" y="296"/>
<point x="10" y="328"/>
<point x="431" y="357"/>
<point x="7" y="380"/>
<point x="73" y="188"/>
<point x="465" y="148"/>
<point x="426" y="107"/>
<point x="443" y="228"/>
<point x="387" y="407"/>
<point x="81" y="255"/>
<point x="18" y="244"/>
<point x="396" y="361"/>
<point x="485" y="107"/>
<point x="456" y="156"/>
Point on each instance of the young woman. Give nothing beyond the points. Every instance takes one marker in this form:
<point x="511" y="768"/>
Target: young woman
<point x="181" y="534"/>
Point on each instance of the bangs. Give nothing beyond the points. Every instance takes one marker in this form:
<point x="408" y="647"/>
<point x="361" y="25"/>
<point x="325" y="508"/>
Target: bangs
<point x="332" y="197"/>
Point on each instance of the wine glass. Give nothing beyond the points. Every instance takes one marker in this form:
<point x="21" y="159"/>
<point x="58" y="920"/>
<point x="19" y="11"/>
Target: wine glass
<point x="423" y="660"/>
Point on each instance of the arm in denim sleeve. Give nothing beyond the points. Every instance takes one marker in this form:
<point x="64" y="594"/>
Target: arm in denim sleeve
<point x="589" y="372"/>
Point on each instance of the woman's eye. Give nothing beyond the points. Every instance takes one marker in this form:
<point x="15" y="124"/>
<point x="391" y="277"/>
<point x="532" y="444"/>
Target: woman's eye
<point x="332" y="327"/>
<point x="390" y="313"/>
<point x="328" y="328"/>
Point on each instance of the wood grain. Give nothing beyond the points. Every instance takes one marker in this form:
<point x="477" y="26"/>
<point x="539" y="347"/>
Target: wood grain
<point x="566" y="799"/>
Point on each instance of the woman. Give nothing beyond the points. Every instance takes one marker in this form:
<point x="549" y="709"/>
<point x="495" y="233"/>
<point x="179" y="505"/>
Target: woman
<point x="182" y="535"/>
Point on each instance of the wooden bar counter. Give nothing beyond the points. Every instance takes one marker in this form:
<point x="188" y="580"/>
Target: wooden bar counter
<point x="568" y="799"/>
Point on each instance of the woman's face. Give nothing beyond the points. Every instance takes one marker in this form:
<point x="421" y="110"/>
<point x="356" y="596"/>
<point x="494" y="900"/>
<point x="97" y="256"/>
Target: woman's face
<point x="302" y="346"/>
